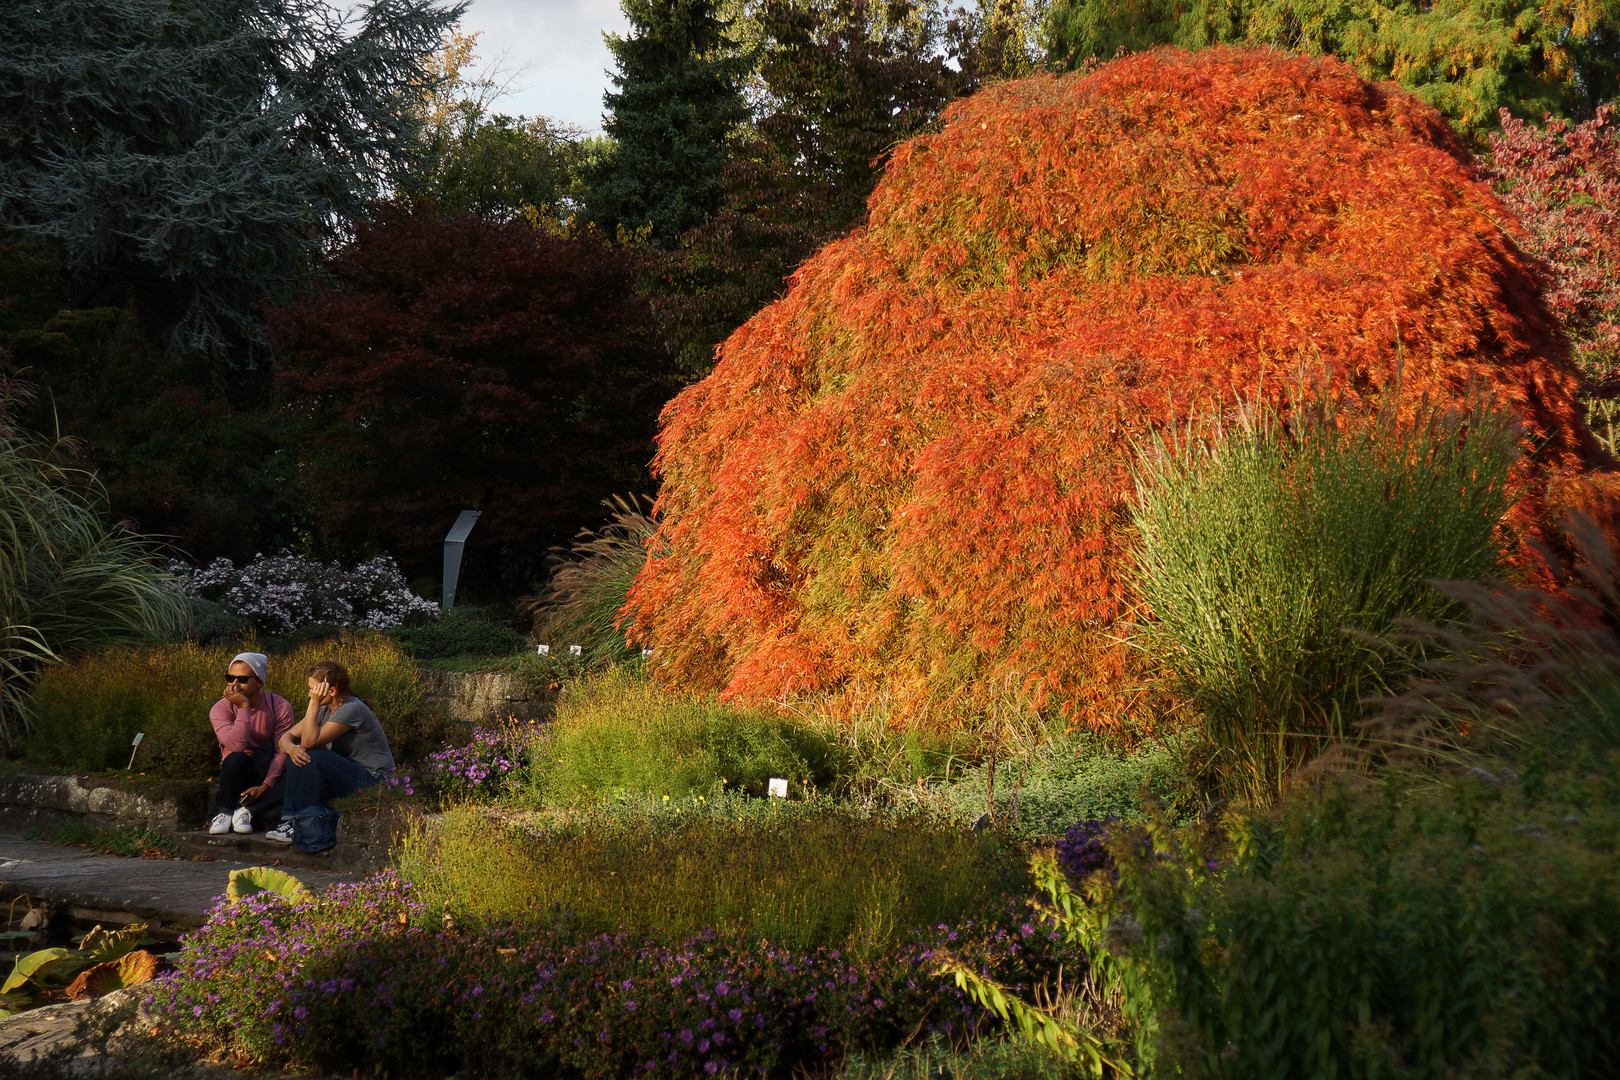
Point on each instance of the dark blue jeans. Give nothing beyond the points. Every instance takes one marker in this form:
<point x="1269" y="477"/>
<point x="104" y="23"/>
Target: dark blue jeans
<point x="240" y="771"/>
<point x="329" y="775"/>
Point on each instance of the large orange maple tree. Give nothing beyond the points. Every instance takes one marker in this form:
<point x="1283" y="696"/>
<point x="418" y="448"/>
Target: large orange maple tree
<point x="908" y="480"/>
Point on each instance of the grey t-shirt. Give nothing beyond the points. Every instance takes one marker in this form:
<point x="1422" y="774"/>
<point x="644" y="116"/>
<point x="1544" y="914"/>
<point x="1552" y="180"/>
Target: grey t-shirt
<point x="364" y="743"/>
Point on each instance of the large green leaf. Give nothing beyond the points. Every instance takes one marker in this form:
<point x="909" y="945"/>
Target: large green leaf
<point x="257" y="879"/>
<point x="33" y="966"/>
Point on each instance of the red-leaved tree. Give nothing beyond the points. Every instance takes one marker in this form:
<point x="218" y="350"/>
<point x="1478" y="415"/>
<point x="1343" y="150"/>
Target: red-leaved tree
<point x="908" y="480"/>
<point x="463" y="363"/>
<point x="1563" y="182"/>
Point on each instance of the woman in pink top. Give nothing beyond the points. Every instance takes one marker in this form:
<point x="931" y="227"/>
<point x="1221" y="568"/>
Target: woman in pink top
<point x="249" y="721"/>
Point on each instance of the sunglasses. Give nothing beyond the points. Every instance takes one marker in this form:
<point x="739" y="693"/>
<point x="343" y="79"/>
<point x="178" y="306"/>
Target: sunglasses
<point x="240" y="678"/>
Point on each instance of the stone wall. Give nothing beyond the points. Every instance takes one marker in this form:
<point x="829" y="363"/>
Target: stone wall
<point x="47" y="803"/>
<point x="481" y="697"/>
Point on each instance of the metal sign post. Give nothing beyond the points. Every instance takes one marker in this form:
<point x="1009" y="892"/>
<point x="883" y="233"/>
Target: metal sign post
<point x="454" y="541"/>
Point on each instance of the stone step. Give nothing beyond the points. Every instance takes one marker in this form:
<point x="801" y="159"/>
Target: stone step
<point x="40" y="806"/>
<point x="82" y="887"/>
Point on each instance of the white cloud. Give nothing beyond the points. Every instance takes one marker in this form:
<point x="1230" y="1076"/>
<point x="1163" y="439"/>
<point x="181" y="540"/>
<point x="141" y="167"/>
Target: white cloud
<point x="555" y="46"/>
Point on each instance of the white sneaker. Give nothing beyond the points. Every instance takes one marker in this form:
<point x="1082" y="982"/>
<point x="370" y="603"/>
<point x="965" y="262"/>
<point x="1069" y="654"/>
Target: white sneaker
<point x="281" y="834"/>
<point x="220" y="824"/>
<point x="242" y="820"/>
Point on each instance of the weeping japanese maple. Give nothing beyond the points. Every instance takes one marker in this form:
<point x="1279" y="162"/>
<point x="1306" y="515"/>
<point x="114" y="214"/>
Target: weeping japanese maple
<point x="909" y="478"/>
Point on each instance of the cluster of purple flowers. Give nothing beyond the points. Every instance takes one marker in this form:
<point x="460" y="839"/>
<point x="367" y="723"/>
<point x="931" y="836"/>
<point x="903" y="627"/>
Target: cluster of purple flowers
<point x="401" y="781"/>
<point x="364" y="978"/>
<point x="1081" y="852"/>
<point x="489" y="766"/>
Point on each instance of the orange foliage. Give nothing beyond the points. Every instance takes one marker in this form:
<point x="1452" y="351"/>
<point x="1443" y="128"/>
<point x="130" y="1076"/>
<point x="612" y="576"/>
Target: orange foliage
<point x="911" y="475"/>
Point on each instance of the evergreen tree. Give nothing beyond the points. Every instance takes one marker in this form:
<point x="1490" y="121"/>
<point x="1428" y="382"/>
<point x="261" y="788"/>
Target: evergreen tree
<point x="840" y="83"/>
<point x="1467" y="58"/>
<point x="678" y="100"/>
<point x="187" y="156"/>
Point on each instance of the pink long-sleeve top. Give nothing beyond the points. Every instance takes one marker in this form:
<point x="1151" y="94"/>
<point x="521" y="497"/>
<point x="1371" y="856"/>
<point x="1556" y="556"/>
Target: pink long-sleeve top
<point x="246" y="729"/>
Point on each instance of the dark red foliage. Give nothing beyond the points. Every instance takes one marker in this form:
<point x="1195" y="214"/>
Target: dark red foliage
<point x="908" y="480"/>
<point x="464" y="363"/>
<point x="1563" y="182"/>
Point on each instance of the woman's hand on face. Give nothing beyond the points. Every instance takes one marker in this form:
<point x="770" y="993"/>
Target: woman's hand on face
<point x="319" y="693"/>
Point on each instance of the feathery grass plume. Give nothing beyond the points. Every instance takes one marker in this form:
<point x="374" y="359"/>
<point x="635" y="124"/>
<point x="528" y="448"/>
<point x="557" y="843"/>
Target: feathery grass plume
<point x="583" y="601"/>
<point x="1264" y="542"/>
<point x="911" y="475"/>
<point x="70" y="579"/>
<point x="1532" y="675"/>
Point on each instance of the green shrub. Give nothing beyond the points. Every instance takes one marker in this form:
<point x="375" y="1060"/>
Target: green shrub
<point x="462" y="632"/>
<point x="1044" y="792"/>
<point x="616" y="733"/>
<point x="581" y="603"/>
<point x="1261" y="547"/>
<point x="1375" y="932"/>
<point x="89" y="710"/>
<point x="795" y="873"/>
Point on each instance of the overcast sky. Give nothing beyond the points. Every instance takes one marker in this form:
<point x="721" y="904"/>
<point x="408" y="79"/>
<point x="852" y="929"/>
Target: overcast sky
<point x="557" y="44"/>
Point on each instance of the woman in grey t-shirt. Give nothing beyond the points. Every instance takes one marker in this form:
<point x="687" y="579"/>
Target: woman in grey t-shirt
<point x="337" y="748"/>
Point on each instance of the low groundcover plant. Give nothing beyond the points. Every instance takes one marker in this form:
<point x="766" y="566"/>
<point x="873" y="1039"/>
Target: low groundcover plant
<point x="367" y="977"/>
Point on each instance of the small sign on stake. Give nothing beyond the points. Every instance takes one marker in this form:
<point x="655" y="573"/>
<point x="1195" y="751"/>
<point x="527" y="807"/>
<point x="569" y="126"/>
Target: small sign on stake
<point x="134" y="745"/>
<point x="575" y="650"/>
<point x="543" y="650"/>
<point x="778" y="788"/>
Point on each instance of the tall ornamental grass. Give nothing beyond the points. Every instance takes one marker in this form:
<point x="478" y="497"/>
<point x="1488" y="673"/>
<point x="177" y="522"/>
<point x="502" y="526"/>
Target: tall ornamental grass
<point x="1270" y="549"/>
<point x="581" y="604"/>
<point x="801" y="875"/>
<point x="70" y="578"/>
<point x="90" y="709"/>
<point x="615" y="734"/>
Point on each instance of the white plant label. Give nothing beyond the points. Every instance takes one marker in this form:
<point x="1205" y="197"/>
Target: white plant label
<point x="136" y="741"/>
<point x="543" y="650"/>
<point x="576" y="649"/>
<point x="778" y="788"/>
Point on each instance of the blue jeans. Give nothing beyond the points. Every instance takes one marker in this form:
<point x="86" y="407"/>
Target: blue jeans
<point x="329" y="775"/>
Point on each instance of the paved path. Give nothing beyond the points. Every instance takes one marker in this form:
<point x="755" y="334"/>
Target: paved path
<point x="170" y="895"/>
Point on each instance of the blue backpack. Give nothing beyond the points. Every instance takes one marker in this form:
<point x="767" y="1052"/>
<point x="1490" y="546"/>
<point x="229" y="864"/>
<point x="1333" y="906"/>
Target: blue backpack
<point x="315" y="829"/>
